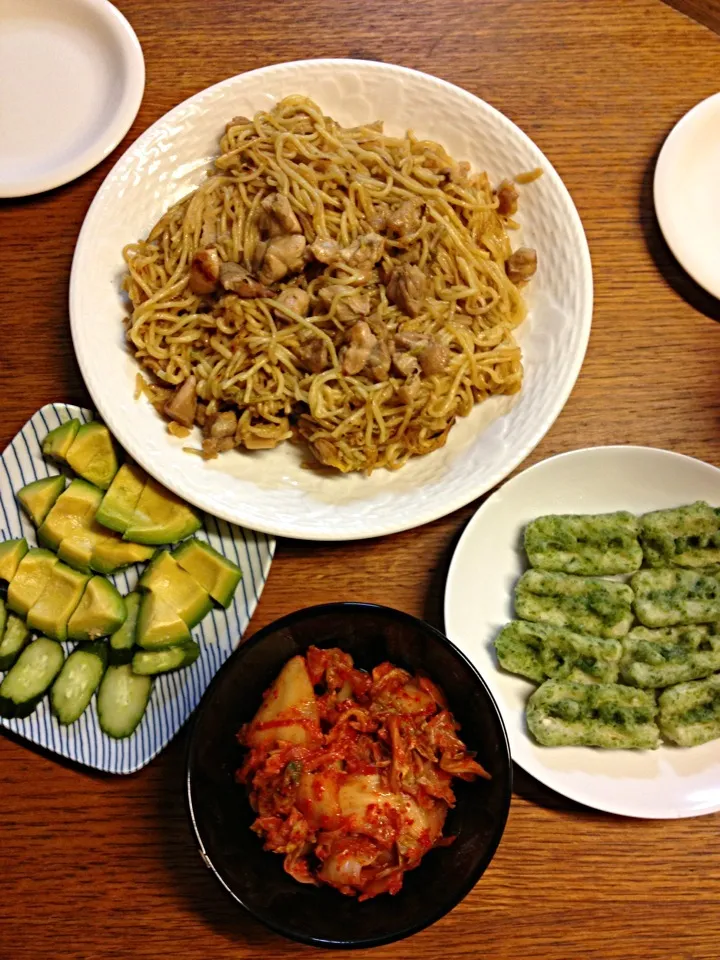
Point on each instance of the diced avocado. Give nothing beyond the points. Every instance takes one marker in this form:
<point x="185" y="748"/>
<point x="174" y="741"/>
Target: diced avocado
<point x="92" y="454"/>
<point x="151" y="662"/>
<point x="30" y="579"/>
<point x="118" y="505"/>
<point x="214" y="572"/>
<point x="72" y="511"/>
<point x="181" y="592"/>
<point x="3" y="616"/>
<point x="11" y="553"/>
<point x="57" y="443"/>
<point x="55" y="605"/>
<point x="111" y="553"/>
<point x="158" y="624"/>
<point x="37" y="497"/>
<point x="123" y="640"/>
<point x="77" y="549"/>
<point x="15" y="637"/>
<point x="100" y="612"/>
<point x="161" y="517"/>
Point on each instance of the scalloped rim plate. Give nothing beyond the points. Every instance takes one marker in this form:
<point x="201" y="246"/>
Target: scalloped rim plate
<point x="270" y="490"/>
<point x="175" y="695"/>
<point x="666" y="783"/>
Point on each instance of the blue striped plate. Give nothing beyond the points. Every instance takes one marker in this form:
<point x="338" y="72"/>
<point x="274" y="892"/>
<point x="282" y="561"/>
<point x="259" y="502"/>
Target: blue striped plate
<point x="174" y="695"/>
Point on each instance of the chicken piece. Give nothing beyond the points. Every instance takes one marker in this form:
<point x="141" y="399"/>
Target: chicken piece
<point x="405" y="364"/>
<point x="378" y="363"/>
<point x="405" y="219"/>
<point x="236" y="122"/>
<point x="205" y="271"/>
<point x="182" y="406"/>
<point x="282" y="255"/>
<point x="235" y="279"/>
<point x="409" y="390"/>
<point x="211" y="447"/>
<point x="325" y="451"/>
<point x="278" y="216"/>
<point x="222" y="425"/>
<point x="295" y="299"/>
<point x="356" y="353"/>
<point x="410" y="340"/>
<point x="288" y="711"/>
<point x="326" y="251"/>
<point x="350" y="303"/>
<point x="364" y="252"/>
<point x="434" y="359"/>
<point x="379" y="220"/>
<point x="406" y="288"/>
<point x="314" y="355"/>
<point x="507" y="199"/>
<point x="521" y="265"/>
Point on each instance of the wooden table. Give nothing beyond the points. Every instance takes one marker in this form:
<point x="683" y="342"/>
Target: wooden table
<point x="99" y="867"/>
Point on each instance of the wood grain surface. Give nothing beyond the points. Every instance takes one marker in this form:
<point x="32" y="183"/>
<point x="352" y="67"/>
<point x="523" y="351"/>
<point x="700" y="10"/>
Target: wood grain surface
<point x="95" y="867"/>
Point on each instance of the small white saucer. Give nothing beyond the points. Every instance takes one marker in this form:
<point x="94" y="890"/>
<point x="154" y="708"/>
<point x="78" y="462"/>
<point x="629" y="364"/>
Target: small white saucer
<point x="71" y="80"/>
<point x="687" y="192"/>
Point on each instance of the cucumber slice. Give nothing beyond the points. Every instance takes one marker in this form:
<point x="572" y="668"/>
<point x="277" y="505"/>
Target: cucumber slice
<point x="37" y="497"/>
<point x="123" y="640"/>
<point x="26" y="683"/>
<point x="50" y="613"/>
<point x="181" y="592"/>
<point x="31" y="578"/>
<point x="122" y="700"/>
<point x="100" y="612"/>
<point x="214" y="572"/>
<point x="159" y="625"/>
<point x="71" y="513"/>
<point x="152" y="662"/>
<point x="57" y="443"/>
<point x="14" y="639"/>
<point x="161" y="517"/>
<point x="92" y="454"/>
<point x="118" y="505"/>
<point x="78" y="680"/>
<point x="11" y="553"/>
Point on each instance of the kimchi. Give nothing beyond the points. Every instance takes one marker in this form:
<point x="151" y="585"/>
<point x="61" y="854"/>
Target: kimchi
<point x="350" y="773"/>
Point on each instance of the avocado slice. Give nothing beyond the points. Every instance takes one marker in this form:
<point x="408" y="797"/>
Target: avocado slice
<point x="92" y="454"/>
<point x="158" y="624"/>
<point x="57" y="443"/>
<point x="161" y="517"/>
<point x="214" y="572"/>
<point x="30" y="579"/>
<point x="111" y="553"/>
<point x="53" y="608"/>
<point x="37" y="497"/>
<point x="100" y="611"/>
<point x="119" y="503"/>
<point x="72" y="512"/>
<point x="181" y="592"/>
<point x="77" y="549"/>
<point x="123" y="640"/>
<point x="11" y="553"/>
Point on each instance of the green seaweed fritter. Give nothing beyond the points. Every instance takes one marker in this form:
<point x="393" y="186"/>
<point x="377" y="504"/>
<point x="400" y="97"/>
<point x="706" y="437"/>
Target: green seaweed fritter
<point x="586" y="605"/>
<point x="666" y="597"/>
<point x="539" y="651"/>
<point x="589" y="544"/>
<point x="690" y="712"/>
<point x="670" y="655"/>
<point x="686" y="536"/>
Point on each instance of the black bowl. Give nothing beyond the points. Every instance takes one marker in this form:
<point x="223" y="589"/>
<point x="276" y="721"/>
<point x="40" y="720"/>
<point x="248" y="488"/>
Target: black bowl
<point x="221" y="815"/>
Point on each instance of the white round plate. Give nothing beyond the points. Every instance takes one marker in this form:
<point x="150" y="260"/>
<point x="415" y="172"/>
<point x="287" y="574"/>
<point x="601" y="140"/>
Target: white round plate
<point x="270" y="490"/>
<point x="686" y="190"/>
<point x="663" y="783"/>
<point x="71" y="80"/>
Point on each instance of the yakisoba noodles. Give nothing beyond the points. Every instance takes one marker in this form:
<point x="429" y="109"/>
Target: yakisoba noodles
<point x="336" y="285"/>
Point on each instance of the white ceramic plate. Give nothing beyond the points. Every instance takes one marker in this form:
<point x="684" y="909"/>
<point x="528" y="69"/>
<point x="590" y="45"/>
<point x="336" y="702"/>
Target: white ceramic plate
<point x="664" y="783"/>
<point x="269" y="490"/>
<point x="687" y="192"/>
<point x="174" y="695"/>
<point x="71" y="80"/>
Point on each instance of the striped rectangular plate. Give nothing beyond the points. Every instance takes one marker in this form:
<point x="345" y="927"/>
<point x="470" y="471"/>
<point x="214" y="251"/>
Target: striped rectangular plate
<point x="174" y="695"/>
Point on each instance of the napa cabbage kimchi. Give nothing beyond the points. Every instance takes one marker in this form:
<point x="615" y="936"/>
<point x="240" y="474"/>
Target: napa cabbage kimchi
<point x="350" y="773"/>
